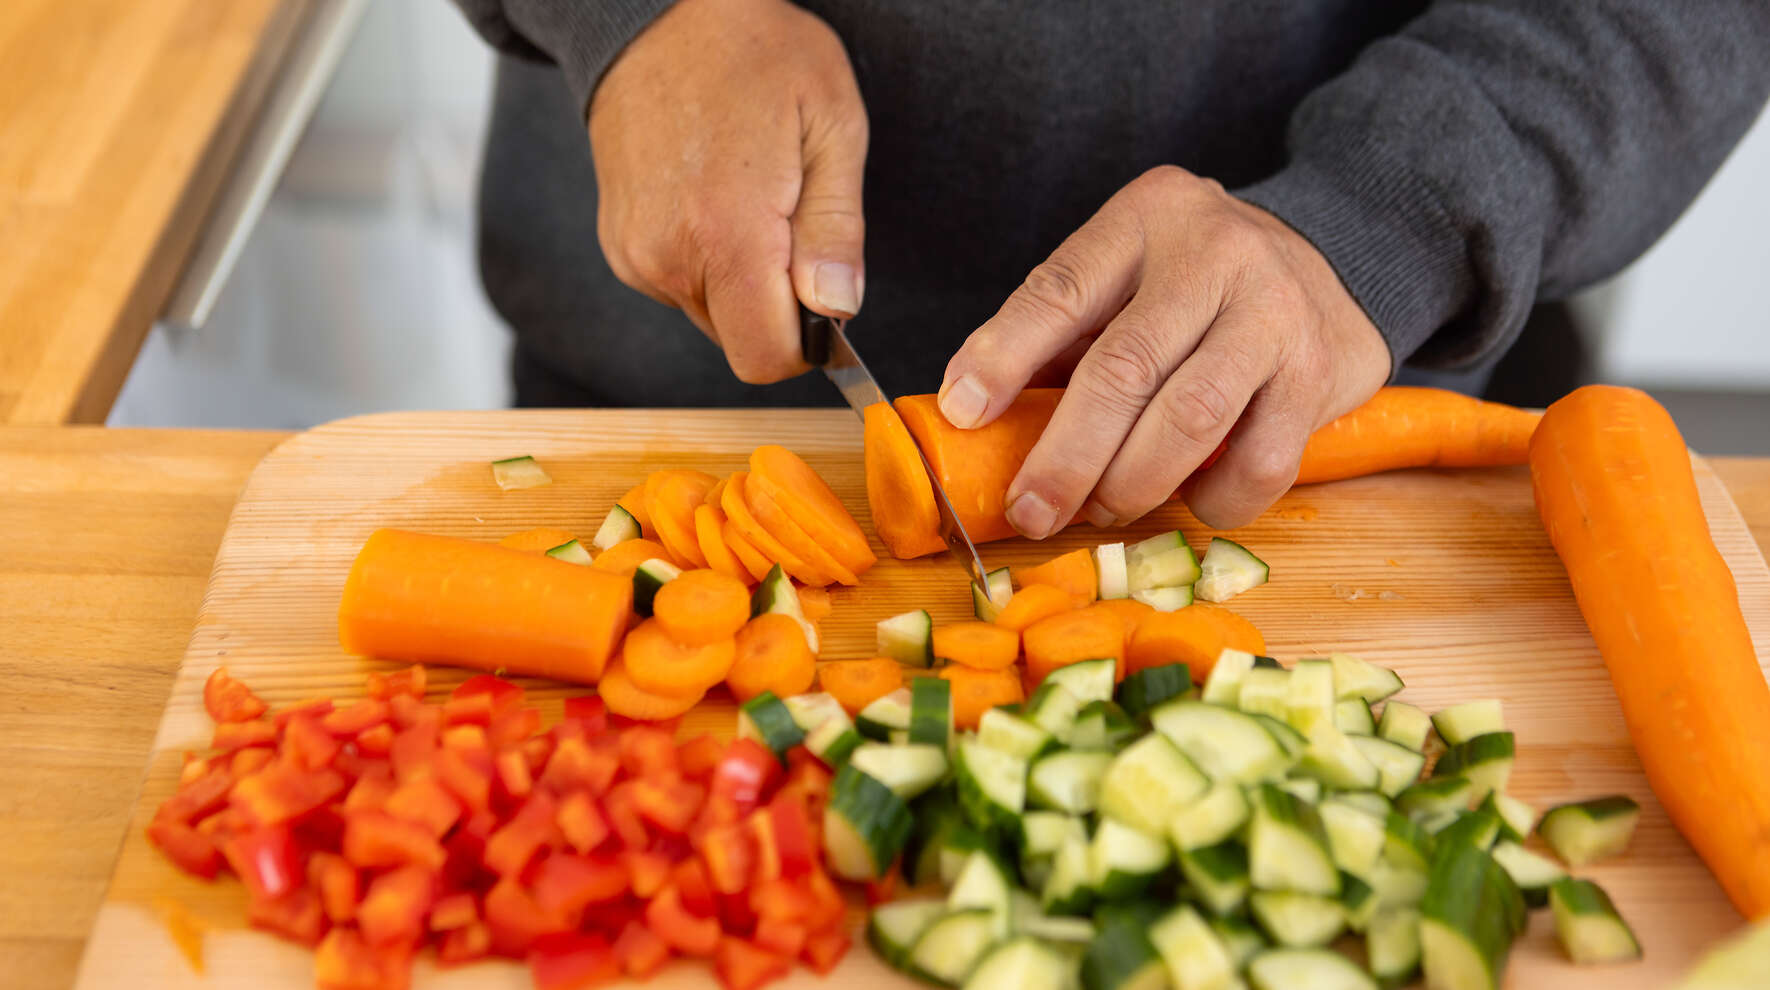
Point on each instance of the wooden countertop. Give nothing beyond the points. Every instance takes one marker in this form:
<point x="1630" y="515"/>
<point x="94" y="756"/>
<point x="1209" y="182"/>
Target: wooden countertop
<point x="118" y="121"/>
<point x="110" y="534"/>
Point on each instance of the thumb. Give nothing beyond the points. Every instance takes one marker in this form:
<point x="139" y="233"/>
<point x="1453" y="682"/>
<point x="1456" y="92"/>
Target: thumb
<point x="829" y="230"/>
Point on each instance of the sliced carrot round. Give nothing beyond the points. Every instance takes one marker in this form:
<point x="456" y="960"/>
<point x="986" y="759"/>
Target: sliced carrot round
<point x="815" y="603"/>
<point x="1194" y="636"/>
<point x="661" y="665"/>
<point x="625" y="557"/>
<point x="808" y="499"/>
<point x="537" y="540"/>
<point x="738" y="512"/>
<point x="898" y="491"/>
<point x="709" y="526"/>
<point x="979" y="645"/>
<point x="1032" y="603"/>
<point x="746" y="552"/>
<point x="976" y="691"/>
<point x="701" y="607"/>
<point x="859" y="683"/>
<point x="626" y="699"/>
<point x="1129" y="610"/>
<point x="1073" y="572"/>
<point x="772" y="655"/>
<point x="671" y="497"/>
<point x="1083" y="634"/>
<point x="781" y="526"/>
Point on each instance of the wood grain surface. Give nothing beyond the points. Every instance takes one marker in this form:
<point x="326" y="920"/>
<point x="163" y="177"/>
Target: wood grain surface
<point x="1445" y="575"/>
<point x="118" y="119"/>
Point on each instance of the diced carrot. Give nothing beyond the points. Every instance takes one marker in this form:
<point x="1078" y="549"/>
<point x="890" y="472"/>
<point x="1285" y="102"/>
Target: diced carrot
<point x="815" y="603"/>
<point x="976" y="644"/>
<point x="738" y="512"/>
<point x="670" y="498"/>
<point x="799" y="490"/>
<point x="709" y="532"/>
<point x="1129" y="610"/>
<point x="1073" y="572"/>
<point x="858" y="683"/>
<point x="1194" y="636"/>
<point x="701" y="606"/>
<point x="791" y="535"/>
<point x="625" y="699"/>
<point x="1071" y="637"/>
<point x="1032" y="603"/>
<point x="536" y="540"/>
<point x="898" y="490"/>
<point x="772" y="655"/>
<point x="658" y="664"/>
<point x="753" y="559"/>
<point x="977" y="691"/>
<point x="625" y="557"/>
<point x="634" y="503"/>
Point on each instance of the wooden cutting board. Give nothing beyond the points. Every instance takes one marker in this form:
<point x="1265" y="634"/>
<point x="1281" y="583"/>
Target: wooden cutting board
<point x="1444" y="575"/>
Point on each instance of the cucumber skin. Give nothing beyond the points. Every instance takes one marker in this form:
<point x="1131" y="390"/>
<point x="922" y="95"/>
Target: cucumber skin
<point x="1473" y="896"/>
<point x="931" y="698"/>
<point x="1151" y="686"/>
<point x="856" y="797"/>
<point x="774" y="711"/>
<point x="1116" y="954"/>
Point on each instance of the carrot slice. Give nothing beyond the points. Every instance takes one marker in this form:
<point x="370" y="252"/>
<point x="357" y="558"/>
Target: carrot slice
<point x="1083" y="634"/>
<point x="898" y="490"/>
<point x="626" y="699"/>
<point x="701" y="607"/>
<point x="625" y="557"/>
<point x="815" y="603"/>
<point x="670" y="497"/>
<point x="1194" y="636"/>
<point x="1129" y="610"/>
<point x="980" y="645"/>
<point x="859" y="683"/>
<point x="715" y="493"/>
<point x="772" y="655"/>
<point x="745" y="551"/>
<point x="1073" y="572"/>
<point x="660" y="665"/>
<point x="781" y="526"/>
<point x="709" y="527"/>
<point x="1032" y="603"/>
<point x="807" y="499"/>
<point x="977" y="691"/>
<point x="634" y="503"/>
<point x="739" y="513"/>
<point x="538" y="540"/>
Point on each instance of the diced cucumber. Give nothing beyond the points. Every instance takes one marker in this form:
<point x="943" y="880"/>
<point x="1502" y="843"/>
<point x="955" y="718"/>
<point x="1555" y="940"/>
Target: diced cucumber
<point x="1268" y="662"/>
<point x="884" y="715"/>
<point x="648" y="578"/>
<point x="865" y="826"/>
<point x="833" y="742"/>
<point x="1148" y="782"/>
<point x="1309" y="700"/>
<point x="1109" y="565"/>
<point x="1475" y="828"/>
<point x="1223" y="685"/>
<point x="571" y="551"/>
<point x="1398" y="767"/>
<point x="1228" y="570"/>
<point x="1125" y="860"/>
<point x="907" y="638"/>
<point x="1587" y="923"/>
<point x="1587" y="831"/>
<point x="1392" y="946"/>
<point x="1372" y="802"/>
<point x="1266" y="691"/>
<point x="1059" y="929"/>
<point x="1287" y="847"/>
<point x="1469" y="917"/>
<point x="1070" y="887"/>
<point x="1239" y="936"/>
<point x="1363" y="680"/>
<point x="1485" y="761"/>
<point x="1305" y="788"/>
<point x="1736" y="962"/>
<point x="952" y="945"/>
<point x="1405" y="725"/>
<point x="812" y="710"/>
<point x="1122" y="958"/>
<point x="1437" y="821"/>
<point x="766" y="719"/>
<point x="1164" y="599"/>
<point x="908" y="770"/>
<point x="1195" y="955"/>
<point x="1101" y="725"/>
<point x="519" y="472"/>
<point x="1405" y="844"/>
<point x="1532" y="873"/>
<point x="1294" y="742"/>
<point x="1164" y="561"/>
<point x="1012" y="734"/>
<point x="1142" y="691"/>
<point x="776" y="594"/>
<point x="1517" y="819"/>
<point x="1297" y="920"/>
<point x="1089" y="680"/>
<point x="931" y="711"/>
<point x="1043" y="832"/>
<point x="1334" y="759"/>
<point x="1053" y="708"/>
<point x="1001" y="588"/>
<point x="1460" y="723"/>
<point x="1216" y="815"/>
<point x="1355" y="836"/>
<point x="1217" y="876"/>
<point x="1353" y="717"/>
<point x="1306" y="969"/>
<point x="1222" y="742"/>
<point x="981" y="883"/>
<point x="1434" y="796"/>
<point x="894" y="927"/>
<point x="1068" y="780"/>
<point x="1023" y="963"/>
<point x="618" y="526"/>
<point x="1360" y="900"/>
<point x="992" y="785"/>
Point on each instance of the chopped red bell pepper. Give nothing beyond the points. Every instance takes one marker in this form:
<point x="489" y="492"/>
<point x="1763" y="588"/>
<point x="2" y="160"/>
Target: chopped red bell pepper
<point x="587" y="712"/>
<point x="345" y="961"/>
<point x="249" y="761"/>
<point x="623" y="816"/>
<point x="375" y="741"/>
<point x="808" y="776"/>
<point x="565" y="883"/>
<point x="609" y="916"/>
<point x="230" y="736"/>
<point x="409" y="682"/>
<point x="742" y="966"/>
<point x="510" y="848"/>
<point x="647" y="871"/>
<point x="228" y="700"/>
<point x="222" y="825"/>
<point x="311" y="708"/>
<point x="452" y="911"/>
<point x="423" y="801"/>
<point x="197" y="799"/>
<point x="828" y="907"/>
<point x="375" y="839"/>
<point x="698" y="756"/>
<point x="516" y="920"/>
<point x="414" y="750"/>
<point x="580" y="763"/>
<point x="823" y="950"/>
<point x="282" y="792"/>
<point x="409" y="712"/>
<point x="513" y="726"/>
<point x="265" y="860"/>
<point x="466" y="944"/>
<point x="782" y="900"/>
<point x="514" y="779"/>
<point x="572" y="961"/>
<point x="395" y="904"/>
<point x="783" y="938"/>
<point x="884" y="889"/>
<point x="730" y="855"/>
<point x="537" y="750"/>
<point x="470" y="781"/>
<point x="668" y="802"/>
<point x="356" y="717"/>
<point x="338" y="884"/>
<point x="639" y="951"/>
<point x="474" y="709"/>
<point x="468" y="740"/>
<point x="646" y="751"/>
<point x="689" y="878"/>
<point x="746" y="771"/>
<point x="189" y="849"/>
<point x="307" y="745"/>
<point x="581" y="823"/>
<point x="666" y="916"/>
<point x="296" y="915"/>
<point x="793" y="843"/>
<point x="194" y="766"/>
<point x="504" y="695"/>
<point x="371" y="790"/>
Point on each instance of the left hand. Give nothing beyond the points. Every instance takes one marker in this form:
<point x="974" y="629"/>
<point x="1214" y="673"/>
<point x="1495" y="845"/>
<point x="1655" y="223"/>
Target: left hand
<point x="1186" y="312"/>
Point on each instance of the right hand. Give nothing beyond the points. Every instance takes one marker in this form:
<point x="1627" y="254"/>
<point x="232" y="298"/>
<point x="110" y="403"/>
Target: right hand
<point x="729" y="140"/>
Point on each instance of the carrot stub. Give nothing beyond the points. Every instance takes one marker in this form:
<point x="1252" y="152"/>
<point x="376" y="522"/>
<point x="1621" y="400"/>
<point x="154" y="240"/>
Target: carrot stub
<point x="1088" y="633"/>
<point x="772" y="655"/>
<point x="660" y="665"/>
<point x="701" y="607"/>
<point x="434" y="599"/>
<point x="859" y="683"/>
<point x="977" y="691"/>
<point x="898" y="490"/>
<point x="1032" y="603"/>
<point x="1193" y="635"/>
<point x="625" y="557"/>
<point x="799" y="490"/>
<point x="791" y="535"/>
<point x="670" y="498"/>
<point x="709" y="532"/>
<point x="737" y="511"/>
<point x="1072" y="572"/>
<point x="538" y="540"/>
<point x="979" y="645"/>
<point x="624" y="698"/>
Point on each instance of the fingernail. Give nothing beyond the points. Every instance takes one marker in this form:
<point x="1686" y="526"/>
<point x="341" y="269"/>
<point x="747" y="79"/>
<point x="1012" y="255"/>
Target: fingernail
<point x="1097" y="515"/>
<point x="837" y="287"/>
<point x="963" y="403"/>
<point x="1032" y="516"/>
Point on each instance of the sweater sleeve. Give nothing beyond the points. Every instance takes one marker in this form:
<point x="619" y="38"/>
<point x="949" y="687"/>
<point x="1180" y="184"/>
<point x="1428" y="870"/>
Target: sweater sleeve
<point x="1494" y="152"/>
<point x="582" y="37"/>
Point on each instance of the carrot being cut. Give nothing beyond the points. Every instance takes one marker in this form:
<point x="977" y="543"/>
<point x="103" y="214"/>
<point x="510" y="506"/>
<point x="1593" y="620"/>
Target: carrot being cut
<point x="859" y="683"/>
<point x="634" y="503"/>
<point x="626" y="699"/>
<point x="746" y="552"/>
<point x="1616" y="494"/>
<point x="435" y="599"/>
<point x="701" y="607"/>
<point x="1090" y="633"/>
<point x="975" y="467"/>
<point x="977" y="691"/>
<point x="772" y="655"/>
<point x="671" y="497"/>
<point x="625" y="557"/>
<point x="538" y="540"/>
<point x="1193" y="635"/>
<point x="898" y="491"/>
<point x="658" y="664"/>
<point x="782" y="527"/>
<point x="815" y="603"/>
<point x="804" y="495"/>
<point x="709" y="532"/>
<point x="980" y="645"/>
<point x="1032" y="603"/>
<point x="738" y="512"/>
<point x="1072" y="572"/>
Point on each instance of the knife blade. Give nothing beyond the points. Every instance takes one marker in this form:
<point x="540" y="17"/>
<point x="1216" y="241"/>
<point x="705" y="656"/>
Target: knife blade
<point x="824" y="341"/>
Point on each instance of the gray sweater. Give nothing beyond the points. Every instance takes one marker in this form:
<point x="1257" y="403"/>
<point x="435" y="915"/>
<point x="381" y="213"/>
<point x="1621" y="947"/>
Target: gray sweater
<point x="1454" y="161"/>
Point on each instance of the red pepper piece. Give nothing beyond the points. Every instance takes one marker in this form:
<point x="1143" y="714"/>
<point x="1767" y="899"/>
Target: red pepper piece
<point x="782" y="900"/>
<point x="297" y="915"/>
<point x="371" y="790"/>
<point x="338" y="884"/>
<point x="581" y="823"/>
<point x="423" y="801"/>
<point x="579" y="764"/>
<point x="228" y="700"/>
<point x="698" y="756"/>
<point x="414" y="750"/>
<point x="230" y="736"/>
<point x="588" y="713"/>
<point x="516" y="920"/>
<point x="623" y="816"/>
<point x="197" y="799"/>
<point x="647" y="871"/>
<point x="572" y="961"/>
<point x="394" y="907"/>
<point x="376" y="741"/>
<point x="452" y="911"/>
<point x="190" y="850"/>
<point x="266" y="861"/>
<point x="512" y="727"/>
<point x="828" y="907"/>
<point x="744" y="774"/>
<point x="783" y="938"/>
<point x="646" y="751"/>
<point x="357" y="717"/>
<point x="742" y="966"/>
<point x="730" y="855"/>
<point x="639" y="951"/>
<point x="282" y="792"/>
<point x="466" y="777"/>
<point x="564" y="884"/>
<point x="823" y="950"/>
<point x="311" y="708"/>
<point x="682" y="931"/>
<point x="514" y="778"/>
<point x="793" y="842"/>
<point x="409" y="712"/>
<point x="307" y="745"/>
<point x="466" y="944"/>
<point x="345" y="961"/>
<point x="375" y="839"/>
<point x="510" y="848"/>
<point x="249" y="761"/>
<point x="409" y="682"/>
<point x="689" y="878"/>
<point x="667" y="802"/>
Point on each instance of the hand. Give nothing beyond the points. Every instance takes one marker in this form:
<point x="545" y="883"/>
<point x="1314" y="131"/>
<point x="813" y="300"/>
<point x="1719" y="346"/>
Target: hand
<point x="1210" y="314"/>
<point x="729" y="140"/>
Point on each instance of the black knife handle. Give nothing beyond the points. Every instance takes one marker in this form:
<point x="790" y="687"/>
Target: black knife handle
<point x="814" y="336"/>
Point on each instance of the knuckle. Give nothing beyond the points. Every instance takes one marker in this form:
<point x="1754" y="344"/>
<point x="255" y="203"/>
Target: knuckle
<point x="1131" y="357"/>
<point x="1057" y="287"/>
<point x="836" y="217"/>
<point x="1198" y="412"/>
<point x="1269" y="470"/>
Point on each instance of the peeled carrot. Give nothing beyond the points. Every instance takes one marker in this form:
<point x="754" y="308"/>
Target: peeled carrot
<point x="1032" y="603"/>
<point x="1402" y="427"/>
<point x="746" y="552"/>
<point x="626" y="699"/>
<point x="660" y="665"/>
<point x="898" y="490"/>
<point x="634" y="503"/>
<point x="1616" y="494"/>
<point x="738" y="512"/>
<point x="625" y="557"/>
<point x="434" y="599"/>
<point x="709" y="527"/>
<point x="976" y="691"/>
<point x="859" y="683"/>
<point x="976" y="466"/>
<point x="1072" y="572"/>
<point x="805" y="497"/>
<point x="1194" y="636"/>
<point x="538" y="540"/>
<point x="1130" y="611"/>
<point x="772" y="655"/>
<point x="791" y="535"/>
<point x="670" y="498"/>
<point x="979" y="645"/>
<point x="701" y="607"/>
<point x="1082" y="634"/>
<point x="815" y="603"/>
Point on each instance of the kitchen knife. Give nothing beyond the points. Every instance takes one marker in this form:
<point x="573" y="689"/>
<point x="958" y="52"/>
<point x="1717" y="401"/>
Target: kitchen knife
<point x="825" y="344"/>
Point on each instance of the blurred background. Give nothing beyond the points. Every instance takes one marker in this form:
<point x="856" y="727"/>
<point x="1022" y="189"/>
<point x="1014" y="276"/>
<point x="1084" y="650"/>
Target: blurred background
<point x="358" y="284"/>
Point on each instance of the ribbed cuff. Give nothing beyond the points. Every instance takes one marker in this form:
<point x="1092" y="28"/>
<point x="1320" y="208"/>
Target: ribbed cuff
<point x="1384" y="231"/>
<point x="583" y="36"/>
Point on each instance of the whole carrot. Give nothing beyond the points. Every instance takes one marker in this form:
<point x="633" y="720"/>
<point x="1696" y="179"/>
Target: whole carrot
<point x="1403" y="427"/>
<point x="1615" y="491"/>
